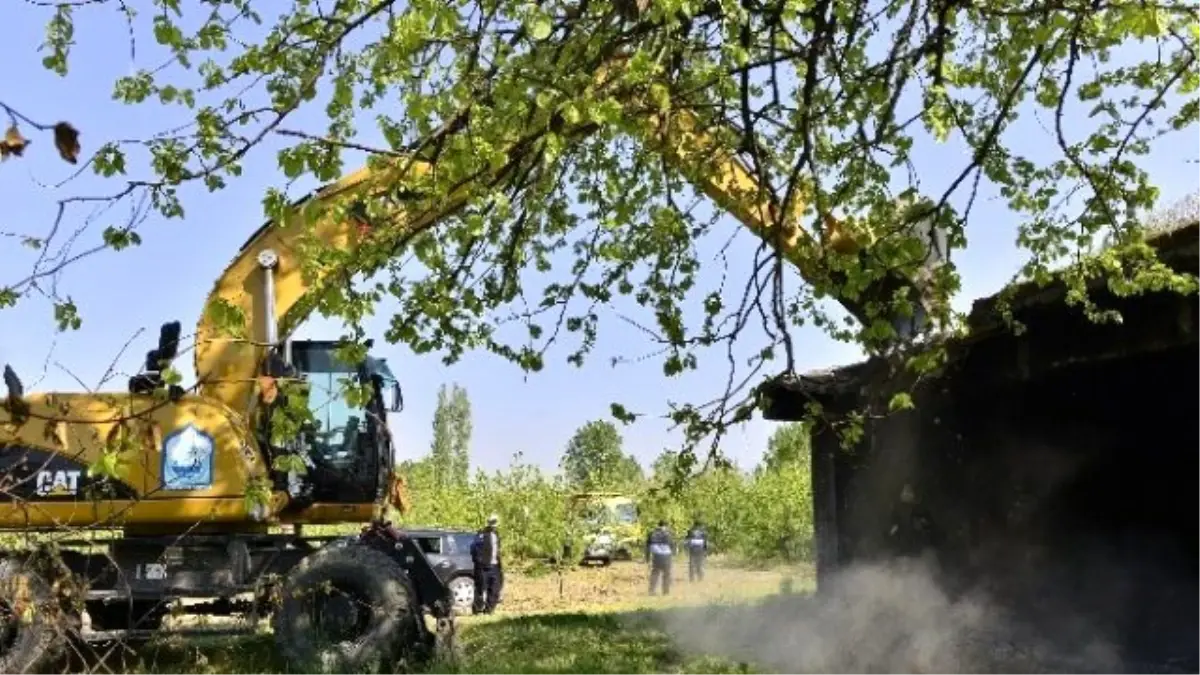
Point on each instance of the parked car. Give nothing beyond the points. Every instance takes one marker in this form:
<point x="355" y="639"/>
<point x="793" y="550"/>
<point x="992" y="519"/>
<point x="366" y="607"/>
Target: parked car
<point x="449" y="551"/>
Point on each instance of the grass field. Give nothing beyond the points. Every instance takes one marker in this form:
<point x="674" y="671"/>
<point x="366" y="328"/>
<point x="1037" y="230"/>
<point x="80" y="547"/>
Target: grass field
<point x="591" y="620"/>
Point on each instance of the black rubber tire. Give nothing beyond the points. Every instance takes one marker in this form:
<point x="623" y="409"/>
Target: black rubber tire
<point x="378" y="581"/>
<point x="36" y="641"/>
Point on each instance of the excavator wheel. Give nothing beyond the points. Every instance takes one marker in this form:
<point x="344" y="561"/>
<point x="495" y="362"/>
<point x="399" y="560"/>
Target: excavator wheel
<point x="30" y="633"/>
<point x="347" y="609"/>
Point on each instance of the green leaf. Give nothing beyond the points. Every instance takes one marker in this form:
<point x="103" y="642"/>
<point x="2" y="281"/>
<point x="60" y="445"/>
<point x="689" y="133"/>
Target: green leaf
<point x="1148" y="22"/>
<point x="107" y="466"/>
<point x="109" y="160"/>
<point x="171" y="376"/>
<point x="60" y="37"/>
<point x="275" y="205"/>
<point x="120" y="238"/>
<point x="571" y="113"/>
<point x="66" y="315"/>
<point x="622" y="414"/>
<point x="228" y="318"/>
<point x="1090" y="91"/>
<point x="900" y="401"/>
<point x="661" y="96"/>
<point x="258" y="493"/>
<point x="288" y="463"/>
<point x="937" y="113"/>
<point x="540" y="26"/>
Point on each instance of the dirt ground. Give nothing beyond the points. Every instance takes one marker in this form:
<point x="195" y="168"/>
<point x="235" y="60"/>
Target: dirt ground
<point x="623" y="586"/>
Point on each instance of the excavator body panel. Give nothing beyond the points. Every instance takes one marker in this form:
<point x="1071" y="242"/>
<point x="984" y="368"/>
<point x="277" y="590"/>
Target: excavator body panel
<point x="149" y="464"/>
<point x="117" y="460"/>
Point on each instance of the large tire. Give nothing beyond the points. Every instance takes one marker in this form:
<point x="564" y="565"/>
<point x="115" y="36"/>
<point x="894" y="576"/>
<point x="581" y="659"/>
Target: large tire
<point x="30" y="632"/>
<point x="371" y="591"/>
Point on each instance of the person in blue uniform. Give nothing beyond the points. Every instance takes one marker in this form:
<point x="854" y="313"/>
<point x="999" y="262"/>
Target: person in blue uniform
<point x="660" y="550"/>
<point x="488" y="567"/>
<point x="697" y="548"/>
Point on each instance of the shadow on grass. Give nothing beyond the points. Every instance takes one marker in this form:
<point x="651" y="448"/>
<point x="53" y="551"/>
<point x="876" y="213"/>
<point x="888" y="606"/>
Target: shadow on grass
<point x="631" y="642"/>
<point x="179" y="654"/>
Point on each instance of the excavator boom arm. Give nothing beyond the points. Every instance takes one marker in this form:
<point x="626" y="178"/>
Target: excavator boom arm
<point x="226" y="365"/>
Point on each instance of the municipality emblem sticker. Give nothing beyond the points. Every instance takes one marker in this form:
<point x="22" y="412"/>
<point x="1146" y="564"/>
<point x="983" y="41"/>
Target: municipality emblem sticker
<point x="187" y="459"/>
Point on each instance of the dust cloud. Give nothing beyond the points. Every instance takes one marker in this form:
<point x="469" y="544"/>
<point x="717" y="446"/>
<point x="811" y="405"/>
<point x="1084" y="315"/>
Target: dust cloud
<point x="889" y="617"/>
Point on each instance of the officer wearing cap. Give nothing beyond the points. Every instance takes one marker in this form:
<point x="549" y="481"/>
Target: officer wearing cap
<point x="489" y="574"/>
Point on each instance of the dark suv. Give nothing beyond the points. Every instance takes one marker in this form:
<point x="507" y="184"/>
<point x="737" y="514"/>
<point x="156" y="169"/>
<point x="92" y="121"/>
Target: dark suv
<point x="449" y="552"/>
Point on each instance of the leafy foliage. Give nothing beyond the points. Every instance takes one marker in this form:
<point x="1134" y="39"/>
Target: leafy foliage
<point x="595" y="460"/>
<point x="531" y="504"/>
<point x="450" y="456"/>
<point x="763" y="514"/>
<point x="526" y="110"/>
<point x="789" y="445"/>
<point x="758" y="515"/>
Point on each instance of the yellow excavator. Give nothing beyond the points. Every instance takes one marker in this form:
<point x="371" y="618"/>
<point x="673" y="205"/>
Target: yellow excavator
<point x="177" y="488"/>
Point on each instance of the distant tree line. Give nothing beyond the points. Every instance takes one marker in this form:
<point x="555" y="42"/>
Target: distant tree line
<point x="763" y="514"/>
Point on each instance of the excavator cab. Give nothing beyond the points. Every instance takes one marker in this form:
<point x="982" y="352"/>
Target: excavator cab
<point x="348" y="452"/>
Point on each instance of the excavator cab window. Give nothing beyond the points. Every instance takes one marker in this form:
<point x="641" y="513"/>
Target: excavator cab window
<point x="339" y="423"/>
<point x="349" y="440"/>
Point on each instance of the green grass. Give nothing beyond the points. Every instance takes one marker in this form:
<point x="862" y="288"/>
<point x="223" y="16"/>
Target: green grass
<point x="610" y="642"/>
<point x="596" y="620"/>
<point x="579" y="643"/>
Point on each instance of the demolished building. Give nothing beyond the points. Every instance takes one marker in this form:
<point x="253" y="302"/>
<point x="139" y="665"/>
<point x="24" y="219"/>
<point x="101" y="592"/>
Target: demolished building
<point x="1054" y="469"/>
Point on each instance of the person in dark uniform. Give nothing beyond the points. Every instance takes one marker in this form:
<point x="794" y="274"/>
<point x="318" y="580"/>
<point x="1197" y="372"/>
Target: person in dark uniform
<point x="659" y="551"/>
<point x="489" y="568"/>
<point x="697" y="547"/>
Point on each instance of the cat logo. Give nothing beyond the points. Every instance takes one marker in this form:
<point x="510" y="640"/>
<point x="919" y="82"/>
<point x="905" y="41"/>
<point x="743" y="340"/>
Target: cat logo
<point x="57" y="483"/>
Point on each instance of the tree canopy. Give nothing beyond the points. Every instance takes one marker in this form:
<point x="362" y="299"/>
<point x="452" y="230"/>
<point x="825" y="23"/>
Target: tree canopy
<point x="788" y="445"/>
<point x="594" y="459"/>
<point x="450" y="454"/>
<point x="541" y="108"/>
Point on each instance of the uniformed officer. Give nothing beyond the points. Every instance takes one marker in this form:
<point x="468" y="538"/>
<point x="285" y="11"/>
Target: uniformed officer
<point x="697" y="547"/>
<point x="659" y="551"/>
<point x="489" y="570"/>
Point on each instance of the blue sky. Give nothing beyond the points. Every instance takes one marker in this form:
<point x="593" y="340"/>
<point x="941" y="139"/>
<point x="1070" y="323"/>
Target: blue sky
<point x="168" y="276"/>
